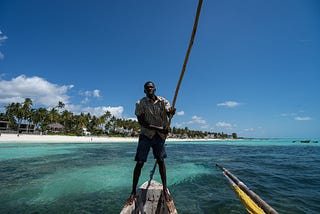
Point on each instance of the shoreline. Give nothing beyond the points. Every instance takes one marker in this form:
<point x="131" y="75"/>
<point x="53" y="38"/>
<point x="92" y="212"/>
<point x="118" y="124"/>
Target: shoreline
<point x="30" y="138"/>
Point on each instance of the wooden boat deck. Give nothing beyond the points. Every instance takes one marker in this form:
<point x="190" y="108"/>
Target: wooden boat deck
<point x="150" y="200"/>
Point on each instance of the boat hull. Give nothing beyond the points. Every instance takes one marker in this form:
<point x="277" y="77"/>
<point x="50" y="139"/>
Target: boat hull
<point x="150" y="200"/>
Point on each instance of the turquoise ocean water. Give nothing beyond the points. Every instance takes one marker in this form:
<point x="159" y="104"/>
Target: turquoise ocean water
<point x="96" y="177"/>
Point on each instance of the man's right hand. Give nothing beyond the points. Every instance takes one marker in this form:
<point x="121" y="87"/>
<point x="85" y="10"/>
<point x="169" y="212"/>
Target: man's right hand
<point x="164" y="130"/>
<point x="172" y="111"/>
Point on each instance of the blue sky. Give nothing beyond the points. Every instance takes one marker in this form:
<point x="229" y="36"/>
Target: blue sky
<point x="253" y="69"/>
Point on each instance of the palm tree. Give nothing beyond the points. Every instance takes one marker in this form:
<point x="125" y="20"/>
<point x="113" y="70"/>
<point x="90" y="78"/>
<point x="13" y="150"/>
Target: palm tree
<point x="4" y="117"/>
<point x="27" y="103"/>
<point x="39" y="117"/>
<point x="67" y="118"/>
<point x="111" y="124"/>
<point x="14" y="113"/>
<point x="81" y="121"/>
<point x="93" y="123"/>
<point x="26" y="111"/>
<point x="60" y="105"/>
<point x="101" y="121"/>
<point x="53" y="115"/>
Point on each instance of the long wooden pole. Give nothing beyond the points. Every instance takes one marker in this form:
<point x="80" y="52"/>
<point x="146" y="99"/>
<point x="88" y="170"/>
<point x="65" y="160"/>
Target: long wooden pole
<point x="195" y="25"/>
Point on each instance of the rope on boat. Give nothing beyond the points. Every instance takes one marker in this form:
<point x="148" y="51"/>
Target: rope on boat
<point x="252" y="202"/>
<point x="195" y="25"/>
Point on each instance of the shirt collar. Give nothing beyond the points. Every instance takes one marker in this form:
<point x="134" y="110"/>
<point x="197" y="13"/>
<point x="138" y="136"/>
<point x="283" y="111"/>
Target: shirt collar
<point x="150" y="100"/>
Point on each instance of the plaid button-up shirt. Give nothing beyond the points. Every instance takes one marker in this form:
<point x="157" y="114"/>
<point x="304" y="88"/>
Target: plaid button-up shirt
<point x="155" y="113"/>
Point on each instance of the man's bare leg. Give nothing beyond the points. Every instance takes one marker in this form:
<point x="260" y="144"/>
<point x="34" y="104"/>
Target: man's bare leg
<point x="163" y="174"/>
<point x="136" y="175"/>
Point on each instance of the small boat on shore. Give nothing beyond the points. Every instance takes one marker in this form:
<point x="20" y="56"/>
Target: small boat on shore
<point x="150" y="200"/>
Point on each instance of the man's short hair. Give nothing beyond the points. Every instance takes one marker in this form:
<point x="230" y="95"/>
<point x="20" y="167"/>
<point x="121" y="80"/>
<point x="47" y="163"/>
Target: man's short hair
<point x="145" y="85"/>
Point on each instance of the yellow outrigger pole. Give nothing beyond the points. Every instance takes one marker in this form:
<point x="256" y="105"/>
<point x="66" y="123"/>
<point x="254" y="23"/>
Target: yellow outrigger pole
<point x="252" y="202"/>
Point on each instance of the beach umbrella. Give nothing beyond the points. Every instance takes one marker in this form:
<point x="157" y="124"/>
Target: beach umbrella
<point x="251" y="201"/>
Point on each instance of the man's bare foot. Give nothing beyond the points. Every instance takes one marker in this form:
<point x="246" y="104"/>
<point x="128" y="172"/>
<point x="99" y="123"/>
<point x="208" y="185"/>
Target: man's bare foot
<point x="167" y="196"/>
<point x="130" y="200"/>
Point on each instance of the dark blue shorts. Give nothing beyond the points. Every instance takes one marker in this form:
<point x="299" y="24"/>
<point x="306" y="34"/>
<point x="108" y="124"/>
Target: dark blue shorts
<point x="157" y="144"/>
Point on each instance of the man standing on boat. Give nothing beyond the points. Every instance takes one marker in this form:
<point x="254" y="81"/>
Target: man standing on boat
<point x="153" y="114"/>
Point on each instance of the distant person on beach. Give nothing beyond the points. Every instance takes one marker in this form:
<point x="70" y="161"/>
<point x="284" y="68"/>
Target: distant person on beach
<point x="153" y="114"/>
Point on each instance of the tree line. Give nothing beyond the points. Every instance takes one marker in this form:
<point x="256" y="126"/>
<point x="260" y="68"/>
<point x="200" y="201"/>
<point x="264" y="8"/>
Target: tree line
<point x="75" y="124"/>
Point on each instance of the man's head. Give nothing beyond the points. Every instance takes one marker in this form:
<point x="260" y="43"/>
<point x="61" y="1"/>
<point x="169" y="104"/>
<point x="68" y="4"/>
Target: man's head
<point x="149" y="89"/>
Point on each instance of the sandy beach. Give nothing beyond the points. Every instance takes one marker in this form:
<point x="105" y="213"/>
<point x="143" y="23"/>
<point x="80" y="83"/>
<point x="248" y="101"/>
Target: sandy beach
<point x="23" y="138"/>
<point x="29" y="138"/>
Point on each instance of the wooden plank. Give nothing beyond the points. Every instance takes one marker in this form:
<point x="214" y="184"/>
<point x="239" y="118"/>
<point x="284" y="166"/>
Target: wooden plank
<point x="150" y="200"/>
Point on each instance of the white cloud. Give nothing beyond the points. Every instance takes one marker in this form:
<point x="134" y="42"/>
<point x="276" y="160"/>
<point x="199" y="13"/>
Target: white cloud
<point x="288" y="114"/>
<point x="229" y="104"/>
<point x="48" y="94"/>
<point x="180" y="125"/>
<point x="303" y="118"/>
<point x="180" y="113"/>
<point x="73" y="108"/>
<point x="225" y="125"/>
<point x="296" y="117"/>
<point x="196" y="119"/>
<point x="86" y="93"/>
<point x="205" y="127"/>
<point x="3" y="38"/>
<point x="86" y="99"/>
<point x="38" y="89"/>
<point x="98" y="111"/>
<point x="96" y="93"/>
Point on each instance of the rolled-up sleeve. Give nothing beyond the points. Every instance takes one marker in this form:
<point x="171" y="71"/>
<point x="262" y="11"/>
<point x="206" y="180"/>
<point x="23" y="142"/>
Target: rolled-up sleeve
<point x="166" y="104"/>
<point x="138" y="110"/>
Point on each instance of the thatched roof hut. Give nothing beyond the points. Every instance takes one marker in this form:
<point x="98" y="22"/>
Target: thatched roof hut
<point x="55" y="127"/>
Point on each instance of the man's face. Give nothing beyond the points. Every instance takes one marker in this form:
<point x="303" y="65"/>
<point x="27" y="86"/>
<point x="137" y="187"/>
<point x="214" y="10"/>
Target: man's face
<point x="149" y="89"/>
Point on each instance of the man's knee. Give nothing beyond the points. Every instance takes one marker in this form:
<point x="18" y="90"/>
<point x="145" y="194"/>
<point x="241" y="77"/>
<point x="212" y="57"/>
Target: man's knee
<point x="160" y="161"/>
<point x="139" y="164"/>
